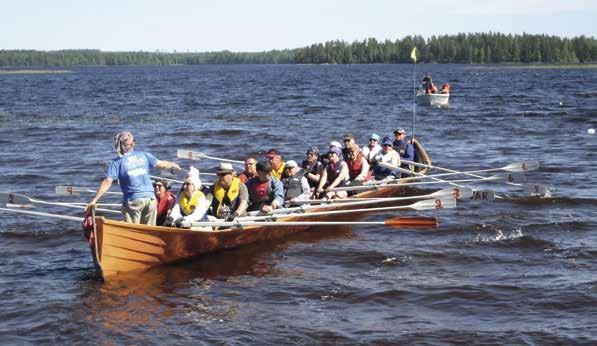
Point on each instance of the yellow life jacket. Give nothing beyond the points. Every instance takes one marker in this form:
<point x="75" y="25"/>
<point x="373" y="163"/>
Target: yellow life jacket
<point x="232" y="194"/>
<point x="188" y="205"/>
<point x="278" y="173"/>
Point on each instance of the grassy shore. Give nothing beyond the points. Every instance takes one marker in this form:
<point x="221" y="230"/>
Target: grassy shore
<point x="33" y="71"/>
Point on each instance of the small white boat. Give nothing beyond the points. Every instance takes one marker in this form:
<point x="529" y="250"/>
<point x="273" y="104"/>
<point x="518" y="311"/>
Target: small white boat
<point x="437" y="99"/>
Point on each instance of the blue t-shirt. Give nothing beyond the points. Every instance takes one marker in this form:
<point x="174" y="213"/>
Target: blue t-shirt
<point x="132" y="172"/>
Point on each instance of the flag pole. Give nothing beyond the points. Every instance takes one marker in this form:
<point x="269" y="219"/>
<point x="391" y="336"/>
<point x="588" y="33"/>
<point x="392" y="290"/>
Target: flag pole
<point x="413" y="56"/>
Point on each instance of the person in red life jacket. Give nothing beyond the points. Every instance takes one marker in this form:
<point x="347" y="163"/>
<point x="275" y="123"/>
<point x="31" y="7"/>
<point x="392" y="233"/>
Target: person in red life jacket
<point x="335" y="174"/>
<point x="358" y="167"/>
<point x="166" y="200"/>
<point x="372" y="149"/>
<point x="275" y="160"/>
<point x="229" y="196"/>
<point x="191" y="204"/>
<point x="312" y="167"/>
<point x="349" y="141"/>
<point x="296" y="186"/>
<point x="266" y="193"/>
<point x="445" y="89"/>
<point x="250" y="170"/>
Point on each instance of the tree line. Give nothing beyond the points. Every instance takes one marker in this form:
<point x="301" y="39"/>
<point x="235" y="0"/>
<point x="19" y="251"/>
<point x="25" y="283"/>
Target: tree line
<point x="475" y="48"/>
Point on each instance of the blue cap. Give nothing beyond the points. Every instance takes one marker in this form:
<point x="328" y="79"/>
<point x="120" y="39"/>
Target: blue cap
<point x="387" y="141"/>
<point x="336" y="151"/>
<point x="374" y="136"/>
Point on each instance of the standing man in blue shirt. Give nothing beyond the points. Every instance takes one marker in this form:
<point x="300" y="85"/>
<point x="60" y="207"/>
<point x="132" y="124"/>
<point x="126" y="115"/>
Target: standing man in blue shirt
<point x="131" y="169"/>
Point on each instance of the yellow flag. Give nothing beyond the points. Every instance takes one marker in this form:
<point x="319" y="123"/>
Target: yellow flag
<point x="413" y="54"/>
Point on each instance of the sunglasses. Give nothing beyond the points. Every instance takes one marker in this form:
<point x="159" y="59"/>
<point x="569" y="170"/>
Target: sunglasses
<point x="386" y="145"/>
<point x="222" y="174"/>
<point x="158" y="185"/>
<point x="373" y="139"/>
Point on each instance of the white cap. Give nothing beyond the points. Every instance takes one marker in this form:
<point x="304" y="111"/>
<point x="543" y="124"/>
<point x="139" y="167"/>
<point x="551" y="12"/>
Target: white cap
<point x="193" y="177"/>
<point x="291" y="163"/>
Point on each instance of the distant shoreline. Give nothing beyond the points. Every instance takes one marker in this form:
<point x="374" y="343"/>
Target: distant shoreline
<point x="31" y="71"/>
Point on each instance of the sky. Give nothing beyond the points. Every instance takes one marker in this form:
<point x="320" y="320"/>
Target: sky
<point x="261" y="25"/>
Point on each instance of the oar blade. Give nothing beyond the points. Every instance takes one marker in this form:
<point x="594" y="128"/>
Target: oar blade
<point x="188" y="154"/>
<point x="456" y="192"/>
<point x="522" y="166"/>
<point x="516" y="177"/>
<point x="412" y="222"/>
<point x="13" y="198"/>
<point x="67" y="190"/>
<point x="536" y="190"/>
<point x="437" y="203"/>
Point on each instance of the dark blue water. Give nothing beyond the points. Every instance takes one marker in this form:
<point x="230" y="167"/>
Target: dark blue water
<point x="517" y="271"/>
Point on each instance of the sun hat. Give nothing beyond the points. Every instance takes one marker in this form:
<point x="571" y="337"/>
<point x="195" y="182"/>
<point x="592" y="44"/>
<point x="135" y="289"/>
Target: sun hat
<point x="224" y="167"/>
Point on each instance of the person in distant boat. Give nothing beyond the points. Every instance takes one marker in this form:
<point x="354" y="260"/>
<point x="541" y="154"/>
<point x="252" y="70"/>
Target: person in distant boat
<point x="275" y="160"/>
<point x="131" y="169"/>
<point x="191" y="204"/>
<point x="427" y="84"/>
<point x="296" y="186"/>
<point x="250" y="170"/>
<point x="445" y="89"/>
<point x="372" y="149"/>
<point x="384" y="161"/>
<point x="165" y="200"/>
<point x="266" y="192"/>
<point x="334" y="175"/>
<point x="358" y="168"/>
<point x="229" y="196"/>
<point x="312" y="167"/>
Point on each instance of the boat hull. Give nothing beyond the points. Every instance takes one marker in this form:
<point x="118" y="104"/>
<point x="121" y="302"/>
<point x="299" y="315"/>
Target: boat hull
<point x="121" y="247"/>
<point x="433" y="99"/>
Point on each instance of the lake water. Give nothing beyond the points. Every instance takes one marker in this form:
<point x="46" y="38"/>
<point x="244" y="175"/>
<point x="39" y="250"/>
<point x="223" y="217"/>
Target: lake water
<point x="517" y="271"/>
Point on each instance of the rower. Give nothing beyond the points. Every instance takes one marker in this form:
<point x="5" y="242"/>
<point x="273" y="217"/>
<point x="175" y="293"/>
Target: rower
<point x="250" y="170"/>
<point x="312" y="167"/>
<point x="165" y="200"/>
<point x="373" y="148"/>
<point x="404" y="148"/>
<point x="445" y="89"/>
<point x="266" y="192"/>
<point x="131" y="169"/>
<point x="275" y="160"/>
<point x="191" y="204"/>
<point x="388" y="156"/>
<point x="296" y="186"/>
<point x="335" y="174"/>
<point x="349" y="141"/>
<point x="229" y="196"/>
<point x="358" y="167"/>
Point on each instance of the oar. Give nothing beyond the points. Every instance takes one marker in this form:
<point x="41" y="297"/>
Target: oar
<point x="37" y="213"/>
<point x="68" y="190"/>
<point x="523" y="167"/>
<point x="397" y="222"/>
<point x="173" y="173"/>
<point x="23" y="202"/>
<point x="196" y="155"/>
<point x="457" y="193"/>
<point x="513" y="167"/>
<point x="494" y="178"/>
<point x="427" y="204"/>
